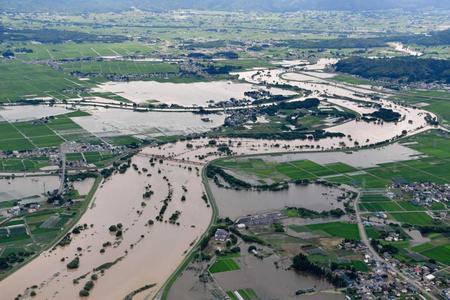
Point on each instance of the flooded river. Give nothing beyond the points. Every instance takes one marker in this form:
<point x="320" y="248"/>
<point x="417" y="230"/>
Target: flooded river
<point x="146" y="254"/>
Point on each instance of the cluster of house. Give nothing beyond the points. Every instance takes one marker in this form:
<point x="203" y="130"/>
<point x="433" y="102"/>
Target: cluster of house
<point x="240" y="117"/>
<point x="37" y="152"/>
<point x="424" y="194"/>
<point x="26" y="205"/>
<point x="259" y="219"/>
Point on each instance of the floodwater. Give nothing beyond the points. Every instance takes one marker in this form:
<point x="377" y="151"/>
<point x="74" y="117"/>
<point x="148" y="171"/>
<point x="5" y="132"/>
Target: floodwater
<point x="22" y="187"/>
<point x="271" y="283"/>
<point x="262" y="276"/>
<point x="83" y="187"/>
<point x="185" y="94"/>
<point x="234" y="204"/>
<point x="156" y="252"/>
<point x="366" y="158"/>
<point x="114" y="122"/>
<point x="31" y="112"/>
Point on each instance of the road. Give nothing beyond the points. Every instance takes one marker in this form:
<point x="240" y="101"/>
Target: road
<point x="379" y="259"/>
<point x="63" y="168"/>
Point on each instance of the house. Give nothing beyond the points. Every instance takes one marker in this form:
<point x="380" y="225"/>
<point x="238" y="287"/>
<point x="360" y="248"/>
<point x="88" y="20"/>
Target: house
<point x="430" y="277"/>
<point x="15" y="210"/>
<point x="221" y="235"/>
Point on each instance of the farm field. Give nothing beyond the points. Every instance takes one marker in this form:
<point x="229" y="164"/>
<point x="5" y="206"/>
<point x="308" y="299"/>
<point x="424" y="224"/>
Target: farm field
<point x="31" y="134"/>
<point x="75" y="50"/>
<point x="373" y="198"/>
<point x="380" y="206"/>
<point x="120" y="67"/>
<point x="20" y="81"/>
<point x="333" y="229"/>
<point x="295" y="170"/>
<point x="224" y="265"/>
<point x="16" y="164"/>
<point x="413" y="218"/>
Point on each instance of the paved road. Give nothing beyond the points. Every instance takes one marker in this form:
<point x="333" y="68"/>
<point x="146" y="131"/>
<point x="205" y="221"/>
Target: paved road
<point x="63" y="168"/>
<point x="378" y="258"/>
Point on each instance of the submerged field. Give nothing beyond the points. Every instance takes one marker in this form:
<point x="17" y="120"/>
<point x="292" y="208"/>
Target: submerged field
<point x="39" y="134"/>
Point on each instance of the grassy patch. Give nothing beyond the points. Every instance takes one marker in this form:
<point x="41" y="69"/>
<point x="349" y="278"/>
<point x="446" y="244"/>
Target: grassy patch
<point x="406" y="205"/>
<point x="334" y="229"/>
<point x="224" y="265"/>
<point x="26" y="81"/>
<point x="123" y="140"/>
<point x="381" y="206"/>
<point x="440" y="253"/>
<point x="413" y="218"/>
<point x="373" y="198"/>
<point x="77" y="113"/>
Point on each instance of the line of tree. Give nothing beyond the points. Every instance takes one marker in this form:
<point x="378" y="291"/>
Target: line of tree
<point x="301" y="263"/>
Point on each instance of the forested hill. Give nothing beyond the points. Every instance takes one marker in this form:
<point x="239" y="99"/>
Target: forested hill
<point x="76" y="6"/>
<point x="402" y="69"/>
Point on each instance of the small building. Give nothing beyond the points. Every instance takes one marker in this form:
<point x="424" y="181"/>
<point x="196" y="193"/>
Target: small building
<point x="15" y="210"/>
<point x="240" y="226"/>
<point x="221" y="235"/>
<point x="430" y="277"/>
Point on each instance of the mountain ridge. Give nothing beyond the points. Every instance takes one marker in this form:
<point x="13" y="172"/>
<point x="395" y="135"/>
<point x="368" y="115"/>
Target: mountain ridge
<point x="79" y="6"/>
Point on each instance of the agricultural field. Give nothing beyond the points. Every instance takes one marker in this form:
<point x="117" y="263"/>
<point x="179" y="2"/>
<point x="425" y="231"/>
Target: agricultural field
<point x="380" y="206"/>
<point x="224" y="265"/>
<point x="99" y="159"/>
<point x="373" y="198"/>
<point x="72" y="50"/>
<point x="120" y="67"/>
<point x="413" y="218"/>
<point x="37" y="134"/>
<point x="19" y="81"/>
<point x="19" y="165"/>
<point x="438" y="252"/>
<point x="333" y="229"/>
<point x="295" y="170"/>
<point x="123" y="140"/>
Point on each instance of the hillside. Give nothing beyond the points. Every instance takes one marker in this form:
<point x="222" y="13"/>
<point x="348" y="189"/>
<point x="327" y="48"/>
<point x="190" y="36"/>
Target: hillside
<point x="72" y="6"/>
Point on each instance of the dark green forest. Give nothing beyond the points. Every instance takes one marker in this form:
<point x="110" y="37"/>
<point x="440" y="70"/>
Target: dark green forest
<point x="402" y="69"/>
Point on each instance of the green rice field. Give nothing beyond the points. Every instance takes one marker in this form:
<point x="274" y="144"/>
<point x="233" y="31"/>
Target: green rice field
<point x="224" y="265"/>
